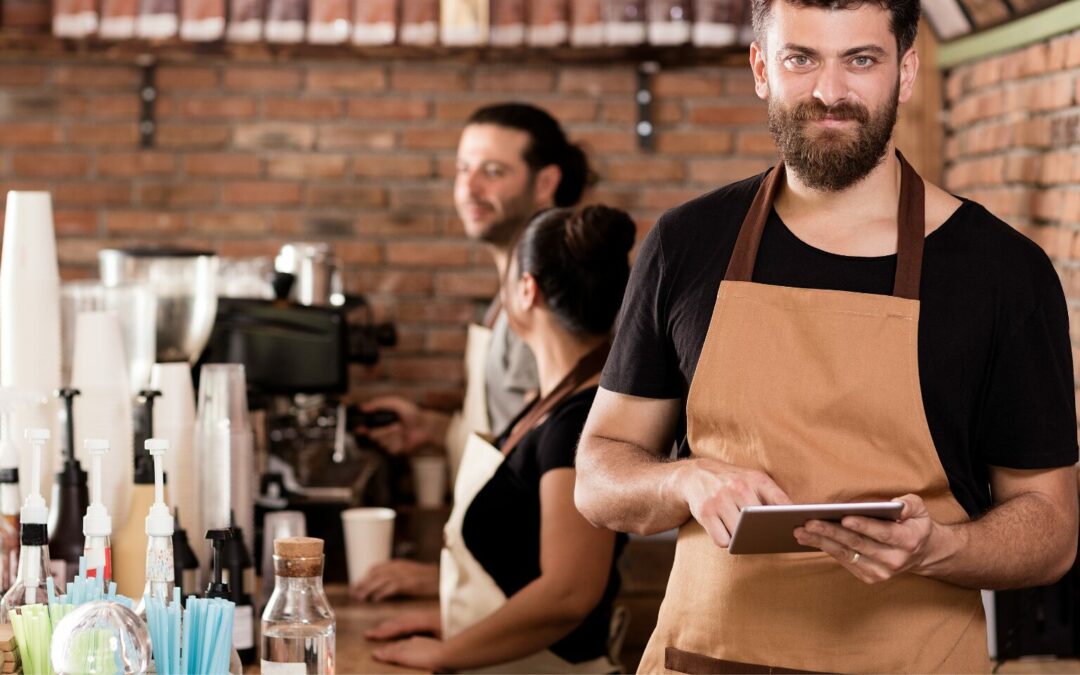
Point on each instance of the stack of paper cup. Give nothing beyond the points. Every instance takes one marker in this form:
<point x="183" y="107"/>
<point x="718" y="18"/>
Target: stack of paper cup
<point x="99" y="371"/>
<point x="369" y="538"/>
<point x="225" y="450"/>
<point x="174" y="419"/>
<point x="30" y="320"/>
<point x="430" y="480"/>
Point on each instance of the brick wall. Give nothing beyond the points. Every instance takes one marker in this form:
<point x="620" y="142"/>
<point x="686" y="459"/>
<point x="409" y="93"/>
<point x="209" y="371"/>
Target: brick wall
<point x="360" y="153"/>
<point x="1013" y="143"/>
<point x="250" y="155"/>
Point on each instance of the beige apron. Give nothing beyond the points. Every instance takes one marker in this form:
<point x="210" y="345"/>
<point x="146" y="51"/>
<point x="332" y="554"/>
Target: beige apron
<point x="473" y="416"/>
<point x="467" y="593"/>
<point x="819" y="389"/>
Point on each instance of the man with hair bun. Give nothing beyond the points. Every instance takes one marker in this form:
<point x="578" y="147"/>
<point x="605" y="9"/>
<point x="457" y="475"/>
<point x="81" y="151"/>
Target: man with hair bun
<point x="513" y="160"/>
<point x="837" y="330"/>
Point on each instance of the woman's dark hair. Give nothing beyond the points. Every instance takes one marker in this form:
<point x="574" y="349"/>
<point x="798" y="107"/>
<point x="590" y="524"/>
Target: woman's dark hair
<point x="579" y="258"/>
<point x="904" y="16"/>
<point x="547" y="145"/>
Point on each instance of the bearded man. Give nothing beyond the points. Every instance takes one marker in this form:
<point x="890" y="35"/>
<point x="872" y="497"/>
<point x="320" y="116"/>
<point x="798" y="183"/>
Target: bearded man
<point x="837" y="330"/>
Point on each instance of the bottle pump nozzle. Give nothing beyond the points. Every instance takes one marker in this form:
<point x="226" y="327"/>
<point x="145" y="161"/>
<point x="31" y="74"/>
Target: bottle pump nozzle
<point x="218" y="588"/>
<point x="96" y="522"/>
<point x="34" y="510"/>
<point x="159" y="522"/>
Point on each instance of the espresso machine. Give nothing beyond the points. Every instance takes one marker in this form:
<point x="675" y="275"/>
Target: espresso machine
<point x="296" y="349"/>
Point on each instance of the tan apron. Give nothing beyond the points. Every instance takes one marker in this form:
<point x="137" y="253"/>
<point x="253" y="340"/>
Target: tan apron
<point x="473" y="416"/>
<point x="467" y="593"/>
<point x="819" y="389"/>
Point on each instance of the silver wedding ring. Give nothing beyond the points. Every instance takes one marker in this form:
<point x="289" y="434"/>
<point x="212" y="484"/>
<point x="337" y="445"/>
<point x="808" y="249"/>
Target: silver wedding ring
<point x="855" y="555"/>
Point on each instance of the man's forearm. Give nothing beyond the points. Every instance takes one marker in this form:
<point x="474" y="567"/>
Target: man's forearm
<point x="1025" y="541"/>
<point x="623" y="487"/>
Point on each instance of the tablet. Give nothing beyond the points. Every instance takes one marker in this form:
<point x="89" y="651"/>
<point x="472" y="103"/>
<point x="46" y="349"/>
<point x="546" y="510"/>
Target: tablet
<point x="770" y="529"/>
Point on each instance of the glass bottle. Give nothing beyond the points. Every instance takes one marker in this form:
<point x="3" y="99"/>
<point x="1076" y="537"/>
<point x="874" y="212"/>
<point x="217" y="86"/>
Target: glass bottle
<point x="298" y="625"/>
<point x="160" y="570"/>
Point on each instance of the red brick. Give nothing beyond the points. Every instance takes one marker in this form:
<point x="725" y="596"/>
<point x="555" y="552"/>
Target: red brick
<point x="620" y="198"/>
<point x="723" y="171"/>
<point x="72" y="251"/>
<point x="262" y="79"/>
<point x="478" y="285"/>
<point x="1060" y="167"/>
<point x="430" y="139"/>
<point x="1072" y="55"/>
<point x="355" y="138"/>
<point x="515" y="78"/>
<point x="187" y="77"/>
<point x="305" y="108"/>
<point x="97" y="77"/>
<point x="428" y="253"/>
<point x="458" y="111"/>
<point x="347" y="196"/>
<point x="247" y="248"/>
<point x="396" y="222"/>
<point x="428" y="78"/>
<point x="223" y="164"/>
<point x="306" y="166"/>
<point x="392" y="166"/>
<point x="190" y="136"/>
<point x="50" y="165"/>
<point x="755" y="143"/>
<point x="75" y="223"/>
<point x="729" y="114"/>
<point x="651" y="170"/>
<point x="607" y="141"/>
<point x="143" y="222"/>
<point x="352" y="79"/>
<point x="261" y="193"/>
<point x="105" y="135"/>
<point x="1057" y="53"/>
<point x="1021" y="169"/>
<point x="433" y="196"/>
<point x="1034" y="133"/>
<point x="218" y="108"/>
<point x="231" y="223"/>
<point x="359" y="252"/>
<point x="595" y="82"/>
<point x="626" y="112"/>
<point x="693" y="142"/>
<point x="29" y="133"/>
<point x="446" y="340"/>
<point x="389" y="109"/>
<point x="417" y="369"/>
<point x="117" y="105"/>
<point x="22" y="75"/>
<point x="426" y="311"/>
<point x="91" y="194"/>
<point x="394" y="281"/>
<point x="178" y="194"/>
<point x="986" y="72"/>
<point x="1033" y="60"/>
<point x="275" y="136"/>
<point x="739" y="82"/>
<point x="698" y="82"/>
<point x="130" y="164"/>
<point x="570" y="110"/>
<point x="661" y="199"/>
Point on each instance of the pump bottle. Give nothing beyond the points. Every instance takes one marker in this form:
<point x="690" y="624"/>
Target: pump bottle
<point x="160" y="573"/>
<point x="30" y="585"/>
<point x="97" y="524"/>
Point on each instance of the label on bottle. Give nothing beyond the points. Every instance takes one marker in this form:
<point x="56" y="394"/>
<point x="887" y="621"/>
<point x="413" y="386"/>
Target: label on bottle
<point x="275" y="668"/>
<point x="98" y="558"/>
<point x="243" y="635"/>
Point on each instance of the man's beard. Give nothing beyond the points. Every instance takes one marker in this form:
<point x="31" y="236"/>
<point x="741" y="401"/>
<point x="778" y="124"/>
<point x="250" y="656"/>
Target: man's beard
<point x="517" y="213"/>
<point x="829" y="160"/>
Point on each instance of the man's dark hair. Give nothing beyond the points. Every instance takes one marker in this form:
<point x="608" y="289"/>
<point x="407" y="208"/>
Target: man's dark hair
<point x="904" y="16"/>
<point x="547" y="145"/>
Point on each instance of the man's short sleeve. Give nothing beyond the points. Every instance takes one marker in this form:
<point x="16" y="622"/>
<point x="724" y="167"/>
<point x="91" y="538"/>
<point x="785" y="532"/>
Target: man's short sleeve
<point x="643" y="360"/>
<point x="1029" y="416"/>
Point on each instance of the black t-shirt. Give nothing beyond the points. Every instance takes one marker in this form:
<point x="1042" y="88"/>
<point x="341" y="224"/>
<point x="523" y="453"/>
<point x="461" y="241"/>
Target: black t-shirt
<point x="995" y="361"/>
<point x="502" y="526"/>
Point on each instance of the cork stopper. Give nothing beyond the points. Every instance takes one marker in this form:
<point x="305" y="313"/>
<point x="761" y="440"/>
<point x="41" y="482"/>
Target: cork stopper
<point x="298" y="557"/>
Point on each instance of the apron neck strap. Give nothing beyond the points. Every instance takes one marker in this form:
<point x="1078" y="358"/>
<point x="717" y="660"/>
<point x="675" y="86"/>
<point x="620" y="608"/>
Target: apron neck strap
<point x="586" y="367"/>
<point x="911" y="230"/>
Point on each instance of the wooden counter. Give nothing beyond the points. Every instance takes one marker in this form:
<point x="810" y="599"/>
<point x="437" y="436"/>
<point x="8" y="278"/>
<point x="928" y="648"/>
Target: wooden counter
<point x="355" y="618"/>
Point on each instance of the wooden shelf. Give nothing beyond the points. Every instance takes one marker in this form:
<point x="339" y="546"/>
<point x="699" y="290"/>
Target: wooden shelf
<point x="21" y="45"/>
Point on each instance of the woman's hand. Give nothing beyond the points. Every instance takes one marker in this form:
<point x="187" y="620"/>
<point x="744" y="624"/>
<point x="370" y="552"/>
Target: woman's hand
<point x="397" y="578"/>
<point x="418" y="652"/>
<point x="414" y="623"/>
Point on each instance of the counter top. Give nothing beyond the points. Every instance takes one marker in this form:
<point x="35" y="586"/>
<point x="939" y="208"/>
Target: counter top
<point x="354" y="618"/>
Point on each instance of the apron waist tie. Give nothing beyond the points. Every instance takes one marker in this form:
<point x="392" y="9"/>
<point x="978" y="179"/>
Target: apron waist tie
<point x="699" y="664"/>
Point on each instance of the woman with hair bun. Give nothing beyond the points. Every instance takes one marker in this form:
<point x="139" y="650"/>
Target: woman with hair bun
<point x="526" y="583"/>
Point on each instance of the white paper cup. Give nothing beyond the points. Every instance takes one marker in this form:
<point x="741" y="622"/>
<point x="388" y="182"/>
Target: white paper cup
<point x="369" y="537"/>
<point x="430" y="481"/>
